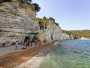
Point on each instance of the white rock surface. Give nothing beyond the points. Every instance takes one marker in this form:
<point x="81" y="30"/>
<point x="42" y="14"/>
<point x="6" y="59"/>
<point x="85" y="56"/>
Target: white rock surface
<point x="32" y="63"/>
<point x="16" y="21"/>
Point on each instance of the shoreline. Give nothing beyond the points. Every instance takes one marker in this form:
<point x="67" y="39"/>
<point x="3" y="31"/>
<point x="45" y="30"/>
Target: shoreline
<point x="13" y="60"/>
<point x="35" y="61"/>
<point x="32" y="63"/>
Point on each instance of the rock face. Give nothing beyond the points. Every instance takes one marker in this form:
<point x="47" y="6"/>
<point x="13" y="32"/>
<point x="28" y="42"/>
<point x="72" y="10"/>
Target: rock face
<point x="53" y="32"/>
<point x="15" y="21"/>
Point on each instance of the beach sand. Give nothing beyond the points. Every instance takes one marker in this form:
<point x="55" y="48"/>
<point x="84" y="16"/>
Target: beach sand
<point x="28" y="57"/>
<point x="6" y="50"/>
<point x="37" y="59"/>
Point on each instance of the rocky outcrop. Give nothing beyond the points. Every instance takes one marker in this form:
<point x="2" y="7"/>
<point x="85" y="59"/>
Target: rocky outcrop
<point x="15" y="21"/>
<point x="53" y="32"/>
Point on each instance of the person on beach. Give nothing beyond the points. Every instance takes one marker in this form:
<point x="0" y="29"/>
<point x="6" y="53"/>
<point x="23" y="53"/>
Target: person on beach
<point x="3" y="44"/>
<point x="18" y="44"/>
<point x="34" y="41"/>
<point x="26" y="42"/>
<point x="41" y="26"/>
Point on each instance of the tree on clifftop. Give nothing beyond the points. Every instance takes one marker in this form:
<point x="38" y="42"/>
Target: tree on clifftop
<point x="1" y="1"/>
<point x="36" y="7"/>
<point x="25" y="1"/>
<point x="29" y="2"/>
<point x="51" y="18"/>
<point x="22" y="1"/>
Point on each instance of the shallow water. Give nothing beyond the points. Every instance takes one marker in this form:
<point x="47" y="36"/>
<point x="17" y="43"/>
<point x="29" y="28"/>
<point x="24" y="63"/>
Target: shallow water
<point x="69" y="54"/>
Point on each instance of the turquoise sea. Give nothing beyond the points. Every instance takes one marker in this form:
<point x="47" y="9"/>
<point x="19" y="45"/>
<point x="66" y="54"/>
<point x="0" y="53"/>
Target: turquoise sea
<point x="69" y="54"/>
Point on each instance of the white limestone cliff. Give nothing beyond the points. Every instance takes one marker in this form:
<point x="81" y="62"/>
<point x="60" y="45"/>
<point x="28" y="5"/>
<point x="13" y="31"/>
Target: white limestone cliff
<point x="15" y="21"/>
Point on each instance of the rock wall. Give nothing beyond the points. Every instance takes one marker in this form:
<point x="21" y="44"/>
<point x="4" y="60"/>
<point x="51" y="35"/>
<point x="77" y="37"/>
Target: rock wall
<point x="53" y="32"/>
<point x="15" y="21"/>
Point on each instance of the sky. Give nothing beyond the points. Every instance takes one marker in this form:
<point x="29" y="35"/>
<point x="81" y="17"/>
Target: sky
<point x="70" y="14"/>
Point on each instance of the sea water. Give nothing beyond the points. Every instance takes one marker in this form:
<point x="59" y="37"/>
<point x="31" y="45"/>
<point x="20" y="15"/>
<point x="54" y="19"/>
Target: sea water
<point x="69" y="54"/>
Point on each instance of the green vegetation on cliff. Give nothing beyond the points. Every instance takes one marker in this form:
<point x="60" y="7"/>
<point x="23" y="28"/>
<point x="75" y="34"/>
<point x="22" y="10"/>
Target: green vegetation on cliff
<point x="80" y="33"/>
<point x="45" y="21"/>
<point x="24" y="3"/>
